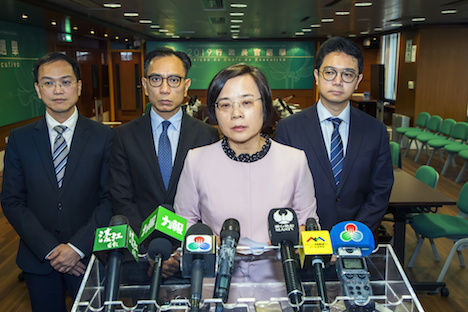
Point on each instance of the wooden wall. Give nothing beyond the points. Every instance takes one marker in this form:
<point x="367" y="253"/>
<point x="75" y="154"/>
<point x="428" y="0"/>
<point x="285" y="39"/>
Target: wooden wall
<point x="440" y="73"/>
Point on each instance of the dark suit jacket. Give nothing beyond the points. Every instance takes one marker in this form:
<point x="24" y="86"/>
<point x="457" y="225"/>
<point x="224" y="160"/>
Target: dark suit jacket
<point x="44" y="215"/>
<point x="367" y="177"/>
<point x="136" y="183"/>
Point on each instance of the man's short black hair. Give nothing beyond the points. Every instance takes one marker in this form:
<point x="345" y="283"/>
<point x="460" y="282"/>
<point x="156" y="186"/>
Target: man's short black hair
<point x="160" y="52"/>
<point x="339" y="44"/>
<point x="53" y="57"/>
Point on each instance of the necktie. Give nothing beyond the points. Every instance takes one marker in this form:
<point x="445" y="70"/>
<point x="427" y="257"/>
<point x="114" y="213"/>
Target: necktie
<point x="165" y="154"/>
<point x="336" y="147"/>
<point x="60" y="155"/>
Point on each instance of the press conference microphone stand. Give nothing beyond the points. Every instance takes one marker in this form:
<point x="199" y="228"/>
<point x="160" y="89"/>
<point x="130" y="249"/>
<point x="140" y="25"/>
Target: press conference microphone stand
<point x="113" y="268"/>
<point x="230" y="233"/>
<point x="159" y="250"/>
<point x="318" y="265"/>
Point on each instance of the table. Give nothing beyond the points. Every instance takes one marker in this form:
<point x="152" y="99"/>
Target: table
<point x="409" y="192"/>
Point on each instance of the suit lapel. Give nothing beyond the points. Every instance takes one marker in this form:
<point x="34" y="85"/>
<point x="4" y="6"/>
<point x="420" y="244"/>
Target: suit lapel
<point x="317" y="144"/>
<point x="78" y="145"/>
<point x="354" y="144"/>
<point x="144" y="139"/>
<point x="42" y="141"/>
<point x="186" y="138"/>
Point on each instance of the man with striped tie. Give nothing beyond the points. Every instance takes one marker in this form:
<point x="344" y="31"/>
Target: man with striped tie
<point x="55" y="189"/>
<point x="347" y="150"/>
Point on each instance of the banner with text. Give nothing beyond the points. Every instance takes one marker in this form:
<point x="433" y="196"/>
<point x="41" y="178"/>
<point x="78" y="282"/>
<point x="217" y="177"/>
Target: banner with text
<point x="287" y="65"/>
<point x="20" y="47"/>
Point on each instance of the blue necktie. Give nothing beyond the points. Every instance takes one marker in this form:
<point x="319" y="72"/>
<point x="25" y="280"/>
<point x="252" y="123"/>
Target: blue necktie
<point x="165" y="154"/>
<point x="60" y="154"/>
<point x="336" y="147"/>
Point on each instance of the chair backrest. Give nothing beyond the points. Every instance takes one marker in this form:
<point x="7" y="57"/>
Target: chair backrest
<point x="462" y="201"/>
<point x="446" y="126"/>
<point x="459" y="131"/>
<point x="395" y="151"/>
<point x="433" y="123"/>
<point x="422" y="119"/>
<point x="428" y="175"/>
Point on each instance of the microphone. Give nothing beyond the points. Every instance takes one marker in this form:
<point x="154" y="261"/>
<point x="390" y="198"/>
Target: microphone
<point x="163" y="222"/>
<point x="198" y="260"/>
<point x="230" y="233"/>
<point x="316" y="243"/>
<point x="159" y="250"/>
<point x="283" y="229"/>
<point x="111" y="244"/>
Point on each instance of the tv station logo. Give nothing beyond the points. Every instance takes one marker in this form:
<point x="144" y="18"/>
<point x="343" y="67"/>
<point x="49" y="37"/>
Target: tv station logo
<point x="199" y="243"/>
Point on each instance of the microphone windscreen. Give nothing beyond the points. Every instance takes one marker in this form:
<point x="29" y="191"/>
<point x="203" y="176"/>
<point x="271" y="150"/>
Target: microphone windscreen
<point x="118" y="220"/>
<point x="311" y="225"/>
<point x="199" y="229"/>
<point x="160" y="246"/>
<point x="231" y="228"/>
<point x="283" y="226"/>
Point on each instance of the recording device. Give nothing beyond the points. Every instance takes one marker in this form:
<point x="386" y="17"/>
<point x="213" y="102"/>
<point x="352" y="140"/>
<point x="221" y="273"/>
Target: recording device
<point x="316" y="251"/>
<point x="352" y="241"/>
<point x="111" y="245"/>
<point x="198" y="260"/>
<point x="283" y="229"/>
<point x="159" y="250"/>
<point x="230" y="233"/>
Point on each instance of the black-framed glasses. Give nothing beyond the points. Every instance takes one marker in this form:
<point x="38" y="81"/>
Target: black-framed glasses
<point x="347" y="76"/>
<point x="246" y="103"/>
<point x="156" y="80"/>
<point x="49" y="85"/>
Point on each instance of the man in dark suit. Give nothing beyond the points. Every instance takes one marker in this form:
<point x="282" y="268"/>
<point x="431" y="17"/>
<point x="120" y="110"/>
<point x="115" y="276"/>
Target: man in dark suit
<point x="359" y="184"/>
<point x="140" y="181"/>
<point x="55" y="189"/>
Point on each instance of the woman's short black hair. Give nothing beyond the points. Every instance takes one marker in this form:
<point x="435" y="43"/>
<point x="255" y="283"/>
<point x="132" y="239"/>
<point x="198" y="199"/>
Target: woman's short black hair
<point x="53" y="57"/>
<point x="218" y="82"/>
<point x="339" y="44"/>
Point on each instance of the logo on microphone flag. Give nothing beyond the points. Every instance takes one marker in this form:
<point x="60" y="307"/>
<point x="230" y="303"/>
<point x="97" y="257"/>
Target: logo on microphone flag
<point x="314" y="243"/>
<point x="199" y="243"/>
<point x="164" y="221"/>
<point x="116" y="237"/>
<point x="351" y="233"/>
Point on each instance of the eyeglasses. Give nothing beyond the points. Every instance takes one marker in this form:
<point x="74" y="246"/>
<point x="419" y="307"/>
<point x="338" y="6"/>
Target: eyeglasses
<point x="156" y="80"/>
<point x="347" y="76"/>
<point x="65" y="84"/>
<point x="246" y="103"/>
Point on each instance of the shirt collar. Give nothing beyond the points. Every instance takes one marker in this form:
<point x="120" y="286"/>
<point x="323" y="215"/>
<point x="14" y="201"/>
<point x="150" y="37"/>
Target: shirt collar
<point x="70" y="123"/>
<point x="324" y="114"/>
<point x="175" y="120"/>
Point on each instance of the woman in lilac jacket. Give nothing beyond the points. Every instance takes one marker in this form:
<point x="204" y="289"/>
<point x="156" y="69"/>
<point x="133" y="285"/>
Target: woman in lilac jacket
<point x="246" y="174"/>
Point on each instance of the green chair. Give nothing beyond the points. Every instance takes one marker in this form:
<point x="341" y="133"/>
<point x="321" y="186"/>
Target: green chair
<point x="444" y="133"/>
<point x="432" y="127"/>
<point x="395" y="151"/>
<point x="457" y="146"/>
<point x="463" y="154"/>
<point x="458" y="130"/>
<point x="455" y="228"/>
<point x="420" y="123"/>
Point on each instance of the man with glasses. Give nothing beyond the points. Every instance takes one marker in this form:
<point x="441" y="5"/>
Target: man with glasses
<point x="55" y="189"/>
<point x="347" y="150"/>
<point x="149" y="152"/>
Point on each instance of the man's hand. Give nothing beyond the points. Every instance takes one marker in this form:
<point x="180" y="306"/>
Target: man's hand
<point x="170" y="266"/>
<point x="65" y="260"/>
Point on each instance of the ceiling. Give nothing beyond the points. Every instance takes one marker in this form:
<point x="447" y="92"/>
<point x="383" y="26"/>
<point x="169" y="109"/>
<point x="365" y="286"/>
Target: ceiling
<point x="212" y="20"/>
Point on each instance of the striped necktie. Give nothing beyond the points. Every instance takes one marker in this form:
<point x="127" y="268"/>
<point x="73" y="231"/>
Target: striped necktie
<point x="165" y="154"/>
<point x="336" y="149"/>
<point x="60" y="155"/>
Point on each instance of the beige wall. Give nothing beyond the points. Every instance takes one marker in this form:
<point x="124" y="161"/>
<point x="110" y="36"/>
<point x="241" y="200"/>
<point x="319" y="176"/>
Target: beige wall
<point x="440" y="73"/>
